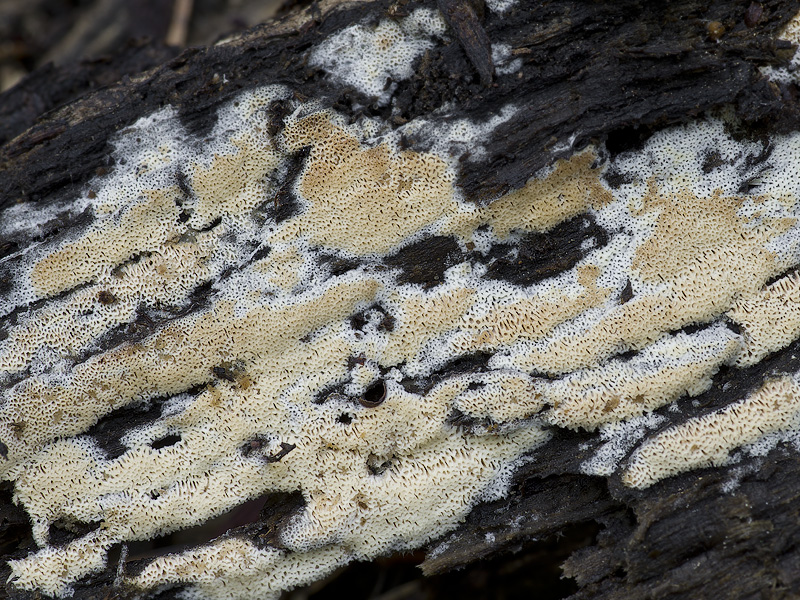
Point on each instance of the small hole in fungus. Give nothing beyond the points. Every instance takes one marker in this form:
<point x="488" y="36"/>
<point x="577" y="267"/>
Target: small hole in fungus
<point x="345" y="419"/>
<point x="168" y="440"/>
<point x="258" y="444"/>
<point x="375" y="394"/>
<point x="254" y="445"/>
<point x="223" y="373"/>
<point x="106" y="298"/>
<point x="376" y="466"/>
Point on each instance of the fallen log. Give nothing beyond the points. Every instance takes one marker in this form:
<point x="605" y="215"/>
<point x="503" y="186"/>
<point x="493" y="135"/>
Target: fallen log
<point x="484" y="281"/>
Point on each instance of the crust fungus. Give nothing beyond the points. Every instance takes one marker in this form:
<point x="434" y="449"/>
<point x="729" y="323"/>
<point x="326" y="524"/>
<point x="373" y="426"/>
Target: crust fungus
<point x="317" y="299"/>
<point x="707" y="441"/>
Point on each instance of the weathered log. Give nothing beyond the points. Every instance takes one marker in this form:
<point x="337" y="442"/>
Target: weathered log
<point x="614" y="180"/>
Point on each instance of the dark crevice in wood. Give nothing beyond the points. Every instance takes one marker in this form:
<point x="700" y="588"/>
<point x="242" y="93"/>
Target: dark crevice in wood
<point x="275" y="515"/>
<point x="476" y="362"/>
<point x="64" y="531"/>
<point x="465" y="21"/>
<point x="538" y="256"/>
<point x="148" y="319"/>
<point x="260" y="520"/>
<point x="335" y="264"/>
<point x="376" y="315"/>
<point x="424" y="262"/>
<point x="284" y="203"/>
<point x="166" y="441"/>
<point x="108" y="432"/>
<point x="258" y="446"/>
<point x="468" y="423"/>
<point x="540" y="507"/>
<point x="15" y="526"/>
<point x="732" y="384"/>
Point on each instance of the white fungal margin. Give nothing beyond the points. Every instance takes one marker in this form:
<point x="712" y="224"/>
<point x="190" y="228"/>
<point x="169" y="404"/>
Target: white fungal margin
<point x="373" y="59"/>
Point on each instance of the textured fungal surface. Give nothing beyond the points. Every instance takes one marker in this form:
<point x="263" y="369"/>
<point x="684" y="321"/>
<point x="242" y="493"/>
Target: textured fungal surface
<point x="297" y="304"/>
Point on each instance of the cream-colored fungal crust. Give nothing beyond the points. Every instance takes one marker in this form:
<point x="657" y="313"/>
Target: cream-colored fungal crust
<point x="252" y="346"/>
<point x="700" y="257"/>
<point x="569" y="190"/>
<point x="364" y="200"/>
<point x="145" y="224"/>
<point x="234" y="184"/>
<point x="707" y="441"/>
<point x="662" y="372"/>
<point x="770" y="319"/>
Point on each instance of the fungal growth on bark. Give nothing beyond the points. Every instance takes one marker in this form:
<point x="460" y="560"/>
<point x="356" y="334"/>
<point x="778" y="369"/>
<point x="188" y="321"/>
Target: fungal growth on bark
<point x="314" y="302"/>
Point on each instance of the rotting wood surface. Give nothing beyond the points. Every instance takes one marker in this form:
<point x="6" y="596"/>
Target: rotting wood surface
<point x="591" y="73"/>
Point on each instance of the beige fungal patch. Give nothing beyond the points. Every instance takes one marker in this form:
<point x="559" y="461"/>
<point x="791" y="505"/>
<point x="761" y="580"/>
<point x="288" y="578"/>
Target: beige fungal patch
<point x="335" y="510"/>
<point x="68" y="328"/>
<point x="502" y="396"/>
<point x="705" y="236"/>
<point x="619" y="390"/>
<point x="531" y="318"/>
<point x="234" y="184"/>
<point x="425" y="317"/>
<point x="631" y="326"/>
<point x="364" y="200"/>
<point x="527" y="319"/>
<point x="569" y="190"/>
<point x="707" y="441"/>
<point x="408" y="431"/>
<point x="700" y="259"/>
<point x="178" y="357"/>
<point x="259" y="572"/>
<point x="395" y="428"/>
<point x="48" y="573"/>
<point x="144" y="225"/>
<point x="135" y="507"/>
<point x="770" y="320"/>
<point x="338" y="522"/>
<point x="283" y="267"/>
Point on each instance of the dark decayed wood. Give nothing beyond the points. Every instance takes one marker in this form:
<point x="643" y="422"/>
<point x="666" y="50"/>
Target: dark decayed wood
<point x="592" y="72"/>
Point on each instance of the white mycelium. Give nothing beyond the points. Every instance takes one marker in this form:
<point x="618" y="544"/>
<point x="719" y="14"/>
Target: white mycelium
<point x="372" y="58"/>
<point x="684" y="247"/>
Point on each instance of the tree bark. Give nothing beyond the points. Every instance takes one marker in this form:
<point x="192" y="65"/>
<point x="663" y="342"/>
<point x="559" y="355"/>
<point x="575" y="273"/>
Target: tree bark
<point x="603" y="73"/>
